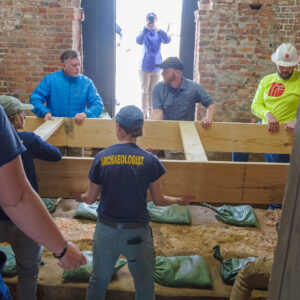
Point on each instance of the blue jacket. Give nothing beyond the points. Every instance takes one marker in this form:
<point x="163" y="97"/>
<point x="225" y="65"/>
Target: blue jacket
<point x="65" y="96"/>
<point x="36" y="148"/>
<point x="151" y="41"/>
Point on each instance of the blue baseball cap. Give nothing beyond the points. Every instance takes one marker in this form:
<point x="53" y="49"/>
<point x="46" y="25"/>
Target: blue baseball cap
<point x="172" y="62"/>
<point x="130" y="116"/>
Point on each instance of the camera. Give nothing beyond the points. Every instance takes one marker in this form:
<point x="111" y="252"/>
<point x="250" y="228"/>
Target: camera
<point x="151" y="19"/>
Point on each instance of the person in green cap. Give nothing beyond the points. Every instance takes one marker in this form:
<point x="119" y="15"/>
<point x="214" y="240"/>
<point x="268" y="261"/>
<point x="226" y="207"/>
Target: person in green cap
<point x="27" y="252"/>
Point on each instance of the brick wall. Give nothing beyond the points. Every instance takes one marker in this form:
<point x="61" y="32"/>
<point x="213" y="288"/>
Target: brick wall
<point x="33" y="34"/>
<point x="233" y="46"/>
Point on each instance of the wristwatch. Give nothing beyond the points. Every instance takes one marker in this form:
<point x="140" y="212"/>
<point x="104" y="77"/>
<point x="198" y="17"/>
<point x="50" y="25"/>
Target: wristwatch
<point x="62" y="253"/>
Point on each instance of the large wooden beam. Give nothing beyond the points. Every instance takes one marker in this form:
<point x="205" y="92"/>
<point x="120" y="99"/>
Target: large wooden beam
<point x="241" y="137"/>
<point x="193" y="149"/>
<point x="48" y="128"/>
<point x="218" y="182"/>
<point x="286" y="268"/>
<point x="220" y="137"/>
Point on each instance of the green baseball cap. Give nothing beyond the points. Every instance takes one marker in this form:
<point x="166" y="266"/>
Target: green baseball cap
<point x="12" y="105"/>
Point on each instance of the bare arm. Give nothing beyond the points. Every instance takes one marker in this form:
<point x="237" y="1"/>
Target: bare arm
<point x="208" y="119"/>
<point x="157" y="114"/>
<point x="160" y="199"/>
<point x="90" y="196"/>
<point x="23" y="205"/>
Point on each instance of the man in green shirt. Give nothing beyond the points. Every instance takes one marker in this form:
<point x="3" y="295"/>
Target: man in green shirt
<point x="277" y="98"/>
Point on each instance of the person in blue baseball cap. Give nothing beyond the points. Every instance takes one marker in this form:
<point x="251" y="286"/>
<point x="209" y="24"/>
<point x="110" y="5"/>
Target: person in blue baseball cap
<point x="122" y="174"/>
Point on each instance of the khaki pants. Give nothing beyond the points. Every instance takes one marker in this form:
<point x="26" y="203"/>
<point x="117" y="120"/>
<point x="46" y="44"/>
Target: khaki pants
<point x="255" y="275"/>
<point x="148" y="80"/>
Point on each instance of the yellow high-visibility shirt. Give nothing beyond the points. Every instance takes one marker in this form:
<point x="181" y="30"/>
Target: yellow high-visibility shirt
<point x="278" y="96"/>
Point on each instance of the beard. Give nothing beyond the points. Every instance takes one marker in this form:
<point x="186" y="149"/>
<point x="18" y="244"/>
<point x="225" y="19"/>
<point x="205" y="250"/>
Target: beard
<point x="285" y="75"/>
<point x="170" y="79"/>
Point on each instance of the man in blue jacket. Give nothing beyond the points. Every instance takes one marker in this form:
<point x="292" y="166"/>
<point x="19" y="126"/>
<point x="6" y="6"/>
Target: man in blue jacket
<point x="67" y="93"/>
<point x="151" y="38"/>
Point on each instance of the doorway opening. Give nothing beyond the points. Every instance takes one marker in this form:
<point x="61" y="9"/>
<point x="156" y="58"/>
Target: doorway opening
<point x="129" y="53"/>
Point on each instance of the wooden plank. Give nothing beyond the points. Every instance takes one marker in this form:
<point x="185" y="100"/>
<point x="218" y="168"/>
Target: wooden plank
<point x="221" y="137"/>
<point x="193" y="149"/>
<point x="286" y="269"/>
<point x="49" y="127"/>
<point x="215" y="182"/>
<point x="32" y="123"/>
<point x="241" y="137"/>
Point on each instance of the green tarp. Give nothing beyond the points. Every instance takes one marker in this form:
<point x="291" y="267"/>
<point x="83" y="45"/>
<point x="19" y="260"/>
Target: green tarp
<point x="50" y="204"/>
<point x="230" y="267"/>
<point x="86" y="211"/>
<point x="182" y="271"/>
<point x="84" y="272"/>
<point x="10" y="268"/>
<point x="174" y="214"/>
<point x="242" y="215"/>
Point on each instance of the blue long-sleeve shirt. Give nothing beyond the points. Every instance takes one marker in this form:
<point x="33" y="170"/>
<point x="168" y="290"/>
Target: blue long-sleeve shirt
<point x="36" y="148"/>
<point x="65" y="96"/>
<point x="151" y="41"/>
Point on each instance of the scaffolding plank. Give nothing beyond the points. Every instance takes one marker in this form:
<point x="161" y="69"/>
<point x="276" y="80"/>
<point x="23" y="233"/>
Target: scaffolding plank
<point x="193" y="149"/>
<point x="48" y="128"/>
<point x="215" y="182"/>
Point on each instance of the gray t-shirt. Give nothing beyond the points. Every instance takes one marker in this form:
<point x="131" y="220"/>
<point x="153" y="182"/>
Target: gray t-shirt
<point x="179" y="104"/>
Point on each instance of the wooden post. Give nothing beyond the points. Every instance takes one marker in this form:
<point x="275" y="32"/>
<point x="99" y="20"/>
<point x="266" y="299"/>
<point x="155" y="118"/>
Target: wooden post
<point x="286" y="269"/>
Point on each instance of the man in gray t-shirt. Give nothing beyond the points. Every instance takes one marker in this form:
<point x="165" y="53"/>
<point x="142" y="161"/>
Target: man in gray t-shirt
<point x="176" y="96"/>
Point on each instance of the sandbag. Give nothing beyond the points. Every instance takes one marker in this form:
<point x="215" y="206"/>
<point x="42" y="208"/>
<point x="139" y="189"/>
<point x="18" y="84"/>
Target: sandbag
<point x="173" y="214"/>
<point x="84" y="272"/>
<point x="230" y="267"/>
<point x="50" y="204"/>
<point x="241" y="215"/>
<point x="10" y="268"/>
<point x="86" y="211"/>
<point x="182" y="271"/>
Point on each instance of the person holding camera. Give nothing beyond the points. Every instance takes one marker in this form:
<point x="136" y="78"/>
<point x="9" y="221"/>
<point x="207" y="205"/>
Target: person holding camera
<point x="150" y="38"/>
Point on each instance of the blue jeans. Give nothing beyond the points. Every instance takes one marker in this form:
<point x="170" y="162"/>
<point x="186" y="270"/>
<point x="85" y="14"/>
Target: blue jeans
<point x="136" y="245"/>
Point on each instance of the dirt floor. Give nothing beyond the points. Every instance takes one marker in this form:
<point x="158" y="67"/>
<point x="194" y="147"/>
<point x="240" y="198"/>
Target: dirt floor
<point x="204" y="233"/>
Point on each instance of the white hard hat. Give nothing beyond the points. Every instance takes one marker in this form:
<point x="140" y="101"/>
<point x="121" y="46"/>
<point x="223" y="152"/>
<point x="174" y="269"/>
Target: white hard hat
<point x="286" y="55"/>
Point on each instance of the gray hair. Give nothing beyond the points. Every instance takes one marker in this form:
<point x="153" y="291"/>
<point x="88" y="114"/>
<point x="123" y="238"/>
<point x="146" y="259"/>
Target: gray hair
<point x="69" y="54"/>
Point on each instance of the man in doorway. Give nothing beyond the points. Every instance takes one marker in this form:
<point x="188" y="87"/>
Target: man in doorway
<point x="176" y="96"/>
<point x="67" y="93"/>
<point x="151" y="38"/>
